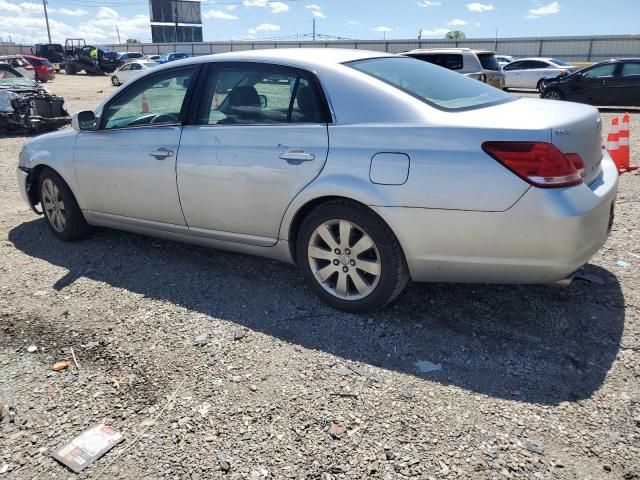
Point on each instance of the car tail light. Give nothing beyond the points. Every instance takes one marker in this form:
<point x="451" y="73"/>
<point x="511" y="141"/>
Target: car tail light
<point x="539" y="163"/>
<point x="577" y="162"/>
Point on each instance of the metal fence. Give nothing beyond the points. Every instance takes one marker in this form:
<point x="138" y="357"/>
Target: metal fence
<point x="578" y="49"/>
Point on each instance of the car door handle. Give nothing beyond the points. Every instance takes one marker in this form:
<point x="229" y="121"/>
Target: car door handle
<point x="297" y="156"/>
<point x="161" y="153"/>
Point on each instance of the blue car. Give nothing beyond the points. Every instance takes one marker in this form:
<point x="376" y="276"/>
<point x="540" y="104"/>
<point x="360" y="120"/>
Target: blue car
<point x="170" y="57"/>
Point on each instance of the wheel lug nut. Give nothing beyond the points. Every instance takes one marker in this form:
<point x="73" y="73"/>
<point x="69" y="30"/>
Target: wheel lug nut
<point x="337" y="250"/>
<point x="345" y="269"/>
<point x="347" y="251"/>
<point x="336" y="262"/>
<point x="353" y="263"/>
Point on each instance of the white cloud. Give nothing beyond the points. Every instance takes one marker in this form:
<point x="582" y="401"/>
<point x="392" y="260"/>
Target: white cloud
<point x="219" y="15"/>
<point x="382" y="28"/>
<point x="429" y="3"/>
<point x="9" y="7"/>
<point x="480" y="7"/>
<point x="457" y="22"/>
<point x="435" y="32"/>
<point x="264" y="27"/>
<point x="352" y="22"/>
<point x="26" y="24"/>
<point x="106" y="12"/>
<point x="278" y="7"/>
<point x="550" y="9"/>
<point x="76" y="12"/>
<point x="231" y="8"/>
<point x="275" y="7"/>
<point x="316" y="10"/>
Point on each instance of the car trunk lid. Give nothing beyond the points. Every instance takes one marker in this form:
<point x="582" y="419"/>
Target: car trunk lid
<point x="580" y="133"/>
<point x="571" y="127"/>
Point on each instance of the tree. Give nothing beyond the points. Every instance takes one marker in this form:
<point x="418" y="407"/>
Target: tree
<point x="132" y="40"/>
<point x="455" y="35"/>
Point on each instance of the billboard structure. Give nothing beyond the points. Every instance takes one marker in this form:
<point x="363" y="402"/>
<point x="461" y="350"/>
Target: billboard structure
<point x="175" y="21"/>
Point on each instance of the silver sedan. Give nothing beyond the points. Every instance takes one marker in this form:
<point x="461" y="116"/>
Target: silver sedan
<point x="365" y="169"/>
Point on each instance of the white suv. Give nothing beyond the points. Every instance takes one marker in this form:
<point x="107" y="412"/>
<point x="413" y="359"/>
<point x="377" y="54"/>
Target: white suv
<point x="479" y="64"/>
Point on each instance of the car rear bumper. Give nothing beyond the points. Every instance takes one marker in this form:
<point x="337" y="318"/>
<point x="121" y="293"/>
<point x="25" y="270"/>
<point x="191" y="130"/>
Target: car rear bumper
<point x="544" y="238"/>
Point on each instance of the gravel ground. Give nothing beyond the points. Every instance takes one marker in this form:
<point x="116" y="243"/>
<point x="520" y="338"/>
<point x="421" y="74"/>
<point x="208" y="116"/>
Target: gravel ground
<point x="452" y="381"/>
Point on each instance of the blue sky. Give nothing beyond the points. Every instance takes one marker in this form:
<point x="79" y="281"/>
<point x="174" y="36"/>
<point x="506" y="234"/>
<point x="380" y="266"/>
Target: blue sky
<point x="96" y="20"/>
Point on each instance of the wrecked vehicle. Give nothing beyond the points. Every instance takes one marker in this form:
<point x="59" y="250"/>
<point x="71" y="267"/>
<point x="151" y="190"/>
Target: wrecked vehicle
<point x="25" y="105"/>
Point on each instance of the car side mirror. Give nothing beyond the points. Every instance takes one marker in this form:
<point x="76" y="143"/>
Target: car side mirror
<point x="263" y="101"/>
<point x="85" y="120"/>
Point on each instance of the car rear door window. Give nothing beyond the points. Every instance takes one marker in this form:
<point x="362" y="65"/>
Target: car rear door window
<point x="155" y="101"/>
<point x="260" y="95"/>
<point x="629" y="69"/>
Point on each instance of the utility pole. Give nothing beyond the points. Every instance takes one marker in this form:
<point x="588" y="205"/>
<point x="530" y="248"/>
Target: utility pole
<point x="496" y="45"/>
<point x="118" y="31"/>
<point x="420" y="34"/>
<point x="314" y="29"/>
<point x="46" y="18"/>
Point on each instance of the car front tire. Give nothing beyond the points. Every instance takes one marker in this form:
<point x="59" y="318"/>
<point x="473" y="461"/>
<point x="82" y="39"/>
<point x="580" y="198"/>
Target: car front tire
<point x="116" y="81"/>
<point x="61" y="211"/>
<point x="350" y="257"/>
<point x="553" y="94"/>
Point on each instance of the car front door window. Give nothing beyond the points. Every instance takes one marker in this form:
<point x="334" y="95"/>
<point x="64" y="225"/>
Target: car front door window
<point x="601" y="71"/>
<point x="155" y="101"/>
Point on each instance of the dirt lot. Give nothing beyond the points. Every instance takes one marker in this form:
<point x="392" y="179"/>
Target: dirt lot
<point x="535" y="382"/>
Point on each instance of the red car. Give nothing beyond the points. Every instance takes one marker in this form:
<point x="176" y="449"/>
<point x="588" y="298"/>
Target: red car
<point x="43" y="70"/>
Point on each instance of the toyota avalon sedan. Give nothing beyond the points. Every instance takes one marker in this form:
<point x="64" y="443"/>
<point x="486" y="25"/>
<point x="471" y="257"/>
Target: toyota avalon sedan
<point x="365" y="169"/>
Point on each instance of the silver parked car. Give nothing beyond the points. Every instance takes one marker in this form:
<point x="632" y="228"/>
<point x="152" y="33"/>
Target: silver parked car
<point x="365" y="169"/>
<point x="530" y="73"/>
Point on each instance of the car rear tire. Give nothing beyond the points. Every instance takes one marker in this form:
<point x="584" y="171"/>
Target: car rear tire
<point x="350" y="257"/>
<point x="61" y="211"/>
<point x="553" y="94"/>
<point x="116" y="81"/>
<point x="540" y="86"/>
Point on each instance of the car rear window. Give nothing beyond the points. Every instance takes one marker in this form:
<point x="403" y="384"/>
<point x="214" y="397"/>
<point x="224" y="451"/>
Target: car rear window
<point x="489" y="61"/>
<point x="435" y="86"/>
<point x="452" y="61"/>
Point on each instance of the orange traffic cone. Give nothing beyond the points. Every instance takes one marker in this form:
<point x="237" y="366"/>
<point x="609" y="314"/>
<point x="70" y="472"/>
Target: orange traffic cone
<point x="144" y="107"/>
<point x="623" y="142"/>
<point x="613" y="143"/>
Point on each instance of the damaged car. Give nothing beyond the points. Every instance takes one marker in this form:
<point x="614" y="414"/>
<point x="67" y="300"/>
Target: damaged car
<point x="25" y="105"/>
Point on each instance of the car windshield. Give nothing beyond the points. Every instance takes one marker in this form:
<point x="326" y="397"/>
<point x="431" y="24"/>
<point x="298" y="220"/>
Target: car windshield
<point x="489" y="61"/>
<point x="149" y="64"/>
<point x="433" y="85"/>
<point x="9" y="79"/>
<point x="560" y="63"/>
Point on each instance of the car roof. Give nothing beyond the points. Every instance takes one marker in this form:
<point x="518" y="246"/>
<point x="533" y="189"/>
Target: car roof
<point x="302" y="57"/>
<point x="449" y="50"/>
<point x="541" y="59"/>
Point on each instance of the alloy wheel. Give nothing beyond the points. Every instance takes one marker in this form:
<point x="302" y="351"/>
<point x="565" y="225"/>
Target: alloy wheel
<point x="552" y="95"/>
<point x="53" y="205"/>
<point x="344" y="259"/>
